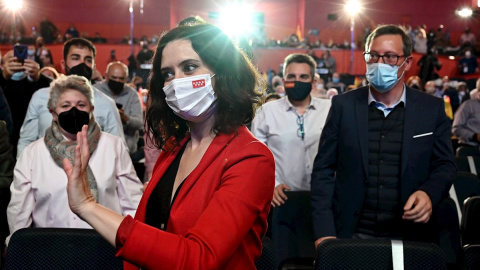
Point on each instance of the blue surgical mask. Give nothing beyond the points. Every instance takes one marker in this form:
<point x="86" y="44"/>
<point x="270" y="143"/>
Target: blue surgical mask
<point x="383" y="77"/>
<point x="31" y="52"/>
<point x="336" y="80"/>
<point x="18" y="76"/>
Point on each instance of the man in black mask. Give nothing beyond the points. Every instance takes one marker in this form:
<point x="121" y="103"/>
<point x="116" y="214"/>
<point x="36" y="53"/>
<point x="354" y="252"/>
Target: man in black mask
<point x="127" y="100"/>
<point x="291" y="128"/>
<point x="78" y="59"/>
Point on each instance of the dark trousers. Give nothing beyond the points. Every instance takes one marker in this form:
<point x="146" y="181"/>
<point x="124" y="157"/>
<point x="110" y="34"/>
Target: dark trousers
<point x="292" y="229"/>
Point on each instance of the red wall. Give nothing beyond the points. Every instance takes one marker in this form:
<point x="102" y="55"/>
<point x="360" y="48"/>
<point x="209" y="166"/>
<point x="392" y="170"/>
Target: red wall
<point x="411" y="12"/>
<point x="111" y="17"/>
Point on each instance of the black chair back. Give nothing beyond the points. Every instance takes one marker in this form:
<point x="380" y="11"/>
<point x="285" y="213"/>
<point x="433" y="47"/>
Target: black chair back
<point x="292" y="229"/>
<point x="60" y="248"/>
<point x="267" y="259"/>
<point x="470" y="226"/>
<point x="470" y="257"/>
<point x="464" y="165"/>
<point x="464" y="151"/>
<point x="466" y="185"/>
<point x="336" y="254"/>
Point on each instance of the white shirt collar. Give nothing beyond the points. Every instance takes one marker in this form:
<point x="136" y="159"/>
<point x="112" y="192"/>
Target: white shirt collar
<point x="402" y="98"/>
<point x="289" y="106"/>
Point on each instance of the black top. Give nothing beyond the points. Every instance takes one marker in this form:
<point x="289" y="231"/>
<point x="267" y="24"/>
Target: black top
<point x="159" y="204"/>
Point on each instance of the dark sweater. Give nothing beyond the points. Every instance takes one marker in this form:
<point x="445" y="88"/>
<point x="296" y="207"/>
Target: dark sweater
<point x="382" y="210"/>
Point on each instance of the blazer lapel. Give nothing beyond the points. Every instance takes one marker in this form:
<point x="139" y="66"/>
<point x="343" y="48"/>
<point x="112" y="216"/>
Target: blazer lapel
<point x="409" y="125"/>
<point x="361" y="113"/>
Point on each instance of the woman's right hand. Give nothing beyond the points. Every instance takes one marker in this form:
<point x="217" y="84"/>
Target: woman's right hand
<point x="80" y="198"/>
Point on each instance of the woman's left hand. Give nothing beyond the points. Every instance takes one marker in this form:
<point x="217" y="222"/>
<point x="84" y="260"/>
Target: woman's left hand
<point x="80" y="197"/>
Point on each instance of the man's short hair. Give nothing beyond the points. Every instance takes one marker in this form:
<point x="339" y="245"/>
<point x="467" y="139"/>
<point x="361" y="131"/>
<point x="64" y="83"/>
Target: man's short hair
<point x="390" y="29"/>
<point x="79" y="42"/>
<point x="300" y="58"/>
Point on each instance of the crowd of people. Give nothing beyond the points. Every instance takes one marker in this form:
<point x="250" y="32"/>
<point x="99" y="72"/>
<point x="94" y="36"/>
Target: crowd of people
<point x="375" y="156"/>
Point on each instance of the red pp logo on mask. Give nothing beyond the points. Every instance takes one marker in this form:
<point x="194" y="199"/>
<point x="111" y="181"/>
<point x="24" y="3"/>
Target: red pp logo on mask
<point x="198" y="83"/>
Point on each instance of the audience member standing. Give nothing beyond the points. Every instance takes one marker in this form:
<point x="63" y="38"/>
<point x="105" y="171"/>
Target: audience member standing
<point x="79" y="59"/>
<point x="7" y="163"/>
<point x="336" y="83"/>
<point x="39" y="197"/>
<point x="428" y="64"/>
<point x="19" y="81"/>
<point x="420" y="41"/>
<point x="127" y="100"/>
<point x="291" y="128"/>
<point x="467" y="39"/>
<point x="385" y="159"/>
<point x="145" y="55"/>
<point x="71" y="32"/>
<point x="48" y="30"/>
<point x="6" y="115"/>
<point x="39" y="45"/>
<point x="329" y="62"/>
<point x="466" y="123"/>
<point x="468" y="64"/>
<point x="209" y="197"/>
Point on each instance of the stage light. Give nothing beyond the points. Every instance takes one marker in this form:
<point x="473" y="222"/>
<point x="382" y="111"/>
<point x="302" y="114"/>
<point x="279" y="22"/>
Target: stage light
<point x="236" y="20"/>
<point x="13" y="5"/>
<point x="465" y="12"/>
<point x="353" y="7"/>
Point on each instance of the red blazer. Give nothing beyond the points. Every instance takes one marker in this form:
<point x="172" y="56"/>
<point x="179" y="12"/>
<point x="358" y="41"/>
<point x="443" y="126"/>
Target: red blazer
<point x="219" y="216"/>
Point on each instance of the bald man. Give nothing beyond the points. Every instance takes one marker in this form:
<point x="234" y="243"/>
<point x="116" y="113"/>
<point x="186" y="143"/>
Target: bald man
<point x="128" y="102"/>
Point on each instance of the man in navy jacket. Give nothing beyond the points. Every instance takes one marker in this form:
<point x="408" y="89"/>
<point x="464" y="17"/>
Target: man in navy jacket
<point x="385" y="159"/>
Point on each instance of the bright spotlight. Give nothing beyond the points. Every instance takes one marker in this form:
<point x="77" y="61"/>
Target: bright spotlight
<point x="236" y="20"/>
<point x="353" y="7"/>
<point x="13" y="5"/>
<point x="465" y="12"/>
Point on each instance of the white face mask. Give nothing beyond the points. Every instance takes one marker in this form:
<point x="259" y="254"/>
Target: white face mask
<point x="191" y="98"/>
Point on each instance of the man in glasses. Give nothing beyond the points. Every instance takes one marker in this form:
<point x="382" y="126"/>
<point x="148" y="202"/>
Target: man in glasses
<point x="385" y="159"/>
<point x="291" y="128"/>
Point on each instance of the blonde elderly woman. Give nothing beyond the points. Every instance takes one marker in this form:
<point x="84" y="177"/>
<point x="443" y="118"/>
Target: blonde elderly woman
<point x="39" y="196"/>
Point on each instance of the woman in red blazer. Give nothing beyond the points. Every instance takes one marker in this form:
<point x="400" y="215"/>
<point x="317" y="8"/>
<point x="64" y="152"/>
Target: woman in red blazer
<point x="207" y="203"/>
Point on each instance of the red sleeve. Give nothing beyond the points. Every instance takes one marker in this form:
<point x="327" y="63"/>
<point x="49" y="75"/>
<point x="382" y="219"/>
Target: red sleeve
<point x="124" y="231"/>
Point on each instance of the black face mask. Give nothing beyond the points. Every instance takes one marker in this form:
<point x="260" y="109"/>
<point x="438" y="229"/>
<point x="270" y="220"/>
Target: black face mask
<point x="115" y="86"/>
<point x="298" y="90"/>
<point x="80" y="70"/>
<point x="415" y="86"/>
<point x="40" y="45"/>
<point x="73" y="120"/>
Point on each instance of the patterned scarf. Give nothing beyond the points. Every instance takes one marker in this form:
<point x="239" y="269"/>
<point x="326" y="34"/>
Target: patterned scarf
<point x="60" y="148"/>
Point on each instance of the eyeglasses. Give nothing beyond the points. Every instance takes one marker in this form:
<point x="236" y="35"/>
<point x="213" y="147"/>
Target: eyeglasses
<point x="300" y="130"/>
<point x="390" y="59"/>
